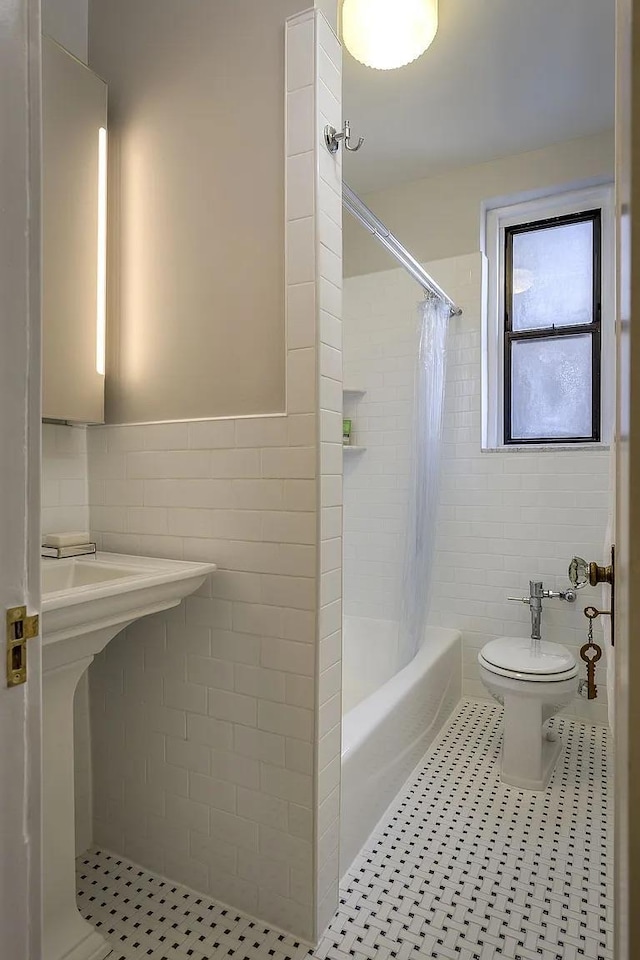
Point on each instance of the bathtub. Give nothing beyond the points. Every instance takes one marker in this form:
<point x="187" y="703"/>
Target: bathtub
<point x="389" y="718"/>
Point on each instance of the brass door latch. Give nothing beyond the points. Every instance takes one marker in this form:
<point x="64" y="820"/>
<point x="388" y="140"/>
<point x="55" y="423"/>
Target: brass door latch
<point x="20" y="628"/>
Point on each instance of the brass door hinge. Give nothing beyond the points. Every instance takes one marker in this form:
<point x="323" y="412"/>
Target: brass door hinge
<point x="20" y="628"/>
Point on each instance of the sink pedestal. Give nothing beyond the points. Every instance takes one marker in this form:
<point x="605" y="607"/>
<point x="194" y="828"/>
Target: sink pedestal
<point x="67" y="936"/>
<point x="85" y="604"/>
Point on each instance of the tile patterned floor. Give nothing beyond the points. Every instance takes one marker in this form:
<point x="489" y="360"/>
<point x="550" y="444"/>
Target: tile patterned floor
<point x="462" y="868"/>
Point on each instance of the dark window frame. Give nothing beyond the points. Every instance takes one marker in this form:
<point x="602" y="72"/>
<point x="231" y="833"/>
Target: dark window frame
<point x="594" y="328"/>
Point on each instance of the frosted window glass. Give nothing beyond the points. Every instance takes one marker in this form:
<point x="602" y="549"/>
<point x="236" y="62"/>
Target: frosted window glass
<point x="553" y="276"/>
<point x="551" y="391"/>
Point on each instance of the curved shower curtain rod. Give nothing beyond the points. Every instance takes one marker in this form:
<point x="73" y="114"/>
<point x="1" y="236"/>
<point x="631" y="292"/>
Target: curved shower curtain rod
<point x="368" y="219"/>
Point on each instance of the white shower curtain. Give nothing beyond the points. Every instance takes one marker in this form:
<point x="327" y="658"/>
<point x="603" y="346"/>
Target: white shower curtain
<point x="426" y="451"/>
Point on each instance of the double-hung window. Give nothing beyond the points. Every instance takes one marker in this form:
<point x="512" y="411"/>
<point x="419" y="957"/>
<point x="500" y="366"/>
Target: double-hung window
<point x="548" y="329"/>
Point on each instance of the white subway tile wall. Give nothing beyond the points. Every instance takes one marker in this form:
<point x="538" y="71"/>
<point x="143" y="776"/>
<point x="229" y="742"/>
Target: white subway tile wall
<point x="65" y="489"/>
<point x="504" y="518"/>
<point x="380" y="324"/>
<point x="205" y="720"/>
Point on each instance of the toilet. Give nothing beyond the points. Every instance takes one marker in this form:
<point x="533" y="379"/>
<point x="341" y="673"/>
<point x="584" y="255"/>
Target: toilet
<point x="533" y="680"/>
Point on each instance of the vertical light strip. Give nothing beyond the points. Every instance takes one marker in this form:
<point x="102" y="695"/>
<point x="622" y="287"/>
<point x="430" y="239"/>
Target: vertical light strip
<point x="101" y="296"/>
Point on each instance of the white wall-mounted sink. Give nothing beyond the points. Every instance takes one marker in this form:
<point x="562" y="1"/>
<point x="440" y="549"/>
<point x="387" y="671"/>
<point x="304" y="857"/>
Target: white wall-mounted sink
<point x="63" y="575"/>
<point x="85" y="602"/>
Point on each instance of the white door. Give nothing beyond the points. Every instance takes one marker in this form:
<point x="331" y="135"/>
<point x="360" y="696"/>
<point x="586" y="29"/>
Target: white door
<point x="20" y="868"/>
<point x="627" y="742"/>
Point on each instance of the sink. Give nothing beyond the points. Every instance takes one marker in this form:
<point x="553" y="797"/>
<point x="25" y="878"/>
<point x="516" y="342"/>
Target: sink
<point x="62" y="575"/>
<point x="86" y="601"/>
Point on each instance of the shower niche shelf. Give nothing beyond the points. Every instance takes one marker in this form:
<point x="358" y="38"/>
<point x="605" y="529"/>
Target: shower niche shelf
<point x="352" y="448"/>
<point x="353" y="392"/>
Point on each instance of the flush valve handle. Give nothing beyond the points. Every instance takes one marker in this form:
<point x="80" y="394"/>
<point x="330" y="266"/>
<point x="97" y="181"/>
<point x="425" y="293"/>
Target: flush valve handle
<point x="568" y="595"/>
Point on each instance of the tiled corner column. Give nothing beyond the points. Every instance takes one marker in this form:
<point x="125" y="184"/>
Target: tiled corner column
<point x="329" y="274"/>
<point x="211" y="764"/>
<point x="314" y="80"/>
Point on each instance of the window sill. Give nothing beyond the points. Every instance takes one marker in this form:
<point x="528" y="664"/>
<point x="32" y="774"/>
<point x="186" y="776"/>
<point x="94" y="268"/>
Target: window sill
<point x="547" y="447"/>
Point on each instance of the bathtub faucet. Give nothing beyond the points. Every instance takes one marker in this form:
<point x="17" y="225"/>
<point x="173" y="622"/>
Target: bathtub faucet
<point x="537" y="594"/>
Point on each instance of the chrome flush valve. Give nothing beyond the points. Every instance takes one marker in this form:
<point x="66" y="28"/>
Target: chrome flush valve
<point x="537" y="594"/>
<point x="569" y="595"/>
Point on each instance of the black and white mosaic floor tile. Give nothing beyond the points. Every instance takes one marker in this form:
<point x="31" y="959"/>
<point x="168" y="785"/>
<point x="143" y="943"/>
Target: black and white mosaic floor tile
<point x="146" y="917"/>
<point x="468" y="868"/>
<point x="463" y="868"/>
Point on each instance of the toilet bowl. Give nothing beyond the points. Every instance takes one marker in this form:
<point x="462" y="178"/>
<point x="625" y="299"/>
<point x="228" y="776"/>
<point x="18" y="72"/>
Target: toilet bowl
<point x="533" y="680"/>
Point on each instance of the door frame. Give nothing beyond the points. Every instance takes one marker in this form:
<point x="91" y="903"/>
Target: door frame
<point x="20" y="257"/>
<point x="20" y="429"/>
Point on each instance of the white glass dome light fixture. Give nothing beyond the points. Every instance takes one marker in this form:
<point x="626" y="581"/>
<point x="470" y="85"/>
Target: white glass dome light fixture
<point x="386" y="34"/>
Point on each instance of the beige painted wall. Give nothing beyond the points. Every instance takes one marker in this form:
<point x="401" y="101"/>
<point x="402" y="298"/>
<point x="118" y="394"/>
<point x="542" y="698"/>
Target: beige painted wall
<point x="65" y="21"/>
<point x="439" y="217"/>
<point x="196" y="296"/>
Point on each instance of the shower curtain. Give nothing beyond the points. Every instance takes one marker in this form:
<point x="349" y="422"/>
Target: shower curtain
<point x="426" y="450"/>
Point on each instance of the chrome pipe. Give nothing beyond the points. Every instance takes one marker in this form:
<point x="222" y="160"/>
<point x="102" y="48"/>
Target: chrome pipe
<point x="358" y="209"/>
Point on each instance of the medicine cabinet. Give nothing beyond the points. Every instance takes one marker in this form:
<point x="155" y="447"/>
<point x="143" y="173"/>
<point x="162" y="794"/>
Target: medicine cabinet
<point x="74" y="184"/>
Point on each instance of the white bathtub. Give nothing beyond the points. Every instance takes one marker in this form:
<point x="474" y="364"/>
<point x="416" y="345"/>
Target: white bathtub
<point x="389" y="718"/>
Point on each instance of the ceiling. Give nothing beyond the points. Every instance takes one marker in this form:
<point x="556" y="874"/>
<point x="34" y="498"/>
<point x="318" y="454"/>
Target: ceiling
<point x="501" y="77"/>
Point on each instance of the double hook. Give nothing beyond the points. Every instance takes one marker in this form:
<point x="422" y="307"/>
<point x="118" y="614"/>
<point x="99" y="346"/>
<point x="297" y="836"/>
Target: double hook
<point x="332" y="138"/>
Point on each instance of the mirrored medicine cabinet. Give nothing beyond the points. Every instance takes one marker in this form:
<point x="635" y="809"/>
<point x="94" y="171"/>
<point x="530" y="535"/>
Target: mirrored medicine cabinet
<point x="74" y="213"/>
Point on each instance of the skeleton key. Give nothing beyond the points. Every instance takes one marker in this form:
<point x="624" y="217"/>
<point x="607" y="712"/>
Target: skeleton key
<point x="591" y="652"/>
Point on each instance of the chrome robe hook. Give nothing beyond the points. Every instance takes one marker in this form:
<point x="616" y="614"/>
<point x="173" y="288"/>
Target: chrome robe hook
<point x="332" y="138"/>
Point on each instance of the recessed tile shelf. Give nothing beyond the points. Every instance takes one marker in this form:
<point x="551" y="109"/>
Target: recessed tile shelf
<point x="353" y="393"/>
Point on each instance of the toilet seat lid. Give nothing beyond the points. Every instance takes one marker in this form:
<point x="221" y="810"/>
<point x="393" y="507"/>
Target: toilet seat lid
<point x="515" y="655"/>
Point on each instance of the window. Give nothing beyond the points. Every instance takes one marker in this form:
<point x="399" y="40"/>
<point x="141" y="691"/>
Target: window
<point x="548" y="330"/>
<point x="552" y="330"/>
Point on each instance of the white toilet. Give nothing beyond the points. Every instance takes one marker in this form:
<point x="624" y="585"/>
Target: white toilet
<point x="533" y="680"/>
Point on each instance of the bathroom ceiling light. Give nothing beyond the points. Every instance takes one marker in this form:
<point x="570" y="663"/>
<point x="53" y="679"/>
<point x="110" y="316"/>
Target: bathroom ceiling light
<point x="385" y="34"/>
